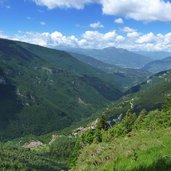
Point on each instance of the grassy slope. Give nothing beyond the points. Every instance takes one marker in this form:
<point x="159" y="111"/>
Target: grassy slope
<point x="140" y="142"/>
<point x="145" y="151"/>
<point x="146" y="147"/>
<point x="135" y="144"/>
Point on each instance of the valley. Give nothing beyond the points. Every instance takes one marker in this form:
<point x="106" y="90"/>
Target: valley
<point x="85" y="85"/>
<point x="69" y="111"/>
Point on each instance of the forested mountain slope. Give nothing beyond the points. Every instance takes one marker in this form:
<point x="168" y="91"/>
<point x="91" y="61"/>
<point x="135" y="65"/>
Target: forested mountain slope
<point x="158" y="66"/>
<point x="130" y="77"/>
<point x="148" y="95"/>
<point x="48" y="89"/>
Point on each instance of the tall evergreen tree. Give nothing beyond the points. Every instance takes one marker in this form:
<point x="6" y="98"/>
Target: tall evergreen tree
<point x="102" y="123"/>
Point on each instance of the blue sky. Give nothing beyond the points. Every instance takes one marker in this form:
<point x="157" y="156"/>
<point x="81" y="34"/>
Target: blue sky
<point x="130" y="24"/>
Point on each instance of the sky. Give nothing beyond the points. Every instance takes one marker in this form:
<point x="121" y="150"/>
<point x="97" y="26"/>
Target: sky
<point x="130" y="24"/>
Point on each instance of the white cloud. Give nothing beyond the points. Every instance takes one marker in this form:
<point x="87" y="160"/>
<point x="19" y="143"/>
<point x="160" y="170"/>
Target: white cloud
<point x="128" y="30"/>
<point x="89" y="39"/>
<point x="147" y="38"/>
<point x="150" y="42"/>
<point x="141" y="10"/>
<point x="95" y="39"/>
<point x="51" y="4"/>
<point x="97" y="25"/>
<point x="46" y="39"/>
<point x="133" y="34"/>
<point x="119" y="21"/>
<point x="95" y="35"/>
<point x="129" y="39"/>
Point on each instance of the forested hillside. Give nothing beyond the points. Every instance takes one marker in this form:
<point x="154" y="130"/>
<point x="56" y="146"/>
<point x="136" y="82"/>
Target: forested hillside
<point x="45" y="90"/>
<point x="148" y="95"/>
<point x="130" y="77"/>
<point x="141" y="141"/>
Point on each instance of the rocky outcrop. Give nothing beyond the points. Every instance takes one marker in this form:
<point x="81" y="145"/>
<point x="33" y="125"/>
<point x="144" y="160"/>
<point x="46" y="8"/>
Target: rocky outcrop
<point x="33" y="144"/>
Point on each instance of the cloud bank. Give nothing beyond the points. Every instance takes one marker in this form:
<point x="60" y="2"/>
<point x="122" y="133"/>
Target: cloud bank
<point x="140" y="10"/>
<point x="126" y="37"/>
<point x="51" y="4"/>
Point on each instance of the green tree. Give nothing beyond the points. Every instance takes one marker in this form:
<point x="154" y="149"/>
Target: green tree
<point x="139" y="121"/>
<point x="97" y="136"/>
<point x="167" y="104"/>
<point x="102" y="123"/>
<point x="129" y="120"/>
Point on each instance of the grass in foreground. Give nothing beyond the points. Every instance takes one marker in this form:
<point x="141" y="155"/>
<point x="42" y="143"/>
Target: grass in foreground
<point x="143" y="151"/>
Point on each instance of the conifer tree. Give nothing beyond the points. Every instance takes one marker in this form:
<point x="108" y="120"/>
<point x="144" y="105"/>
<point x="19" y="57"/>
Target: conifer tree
<point x="102" y="123"/>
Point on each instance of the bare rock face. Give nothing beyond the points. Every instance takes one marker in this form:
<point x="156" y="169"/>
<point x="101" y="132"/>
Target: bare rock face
<point x="33" y="144"/>
<point x="54" y="137"/>
<point x="81" y="130"/>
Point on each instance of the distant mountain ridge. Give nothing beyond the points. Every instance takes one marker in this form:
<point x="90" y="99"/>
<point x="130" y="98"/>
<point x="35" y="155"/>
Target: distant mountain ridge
<point x="155" y="55"/>
<point x="114" y="56"/>
<point x="158" y="65"/>
<point x="132" y="76"/>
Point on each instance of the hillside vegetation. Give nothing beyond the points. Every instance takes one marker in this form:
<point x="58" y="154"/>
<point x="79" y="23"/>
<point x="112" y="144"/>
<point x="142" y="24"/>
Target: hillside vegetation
<point x="149" y="95"/>
<point x="128" y="77"/>
<point x="46" y="94"/>
<point x="140" y="142"/>
<point x="45" y="90"/>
